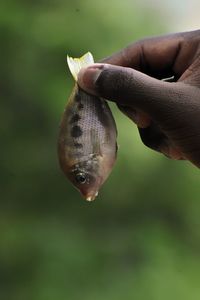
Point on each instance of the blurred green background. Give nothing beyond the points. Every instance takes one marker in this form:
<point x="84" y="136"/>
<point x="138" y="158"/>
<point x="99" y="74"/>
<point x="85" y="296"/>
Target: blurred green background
<point x="140" y="239"/>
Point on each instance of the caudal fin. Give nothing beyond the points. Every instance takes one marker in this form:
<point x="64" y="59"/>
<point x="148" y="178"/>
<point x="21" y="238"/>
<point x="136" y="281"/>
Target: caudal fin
<point x="75" y="64"/>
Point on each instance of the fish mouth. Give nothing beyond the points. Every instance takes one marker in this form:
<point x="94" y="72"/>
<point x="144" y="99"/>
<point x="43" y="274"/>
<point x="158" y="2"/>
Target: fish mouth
<point x="90" y="196"/>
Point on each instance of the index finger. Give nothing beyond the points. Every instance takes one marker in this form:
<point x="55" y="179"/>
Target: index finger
<point x="159" y="57"/>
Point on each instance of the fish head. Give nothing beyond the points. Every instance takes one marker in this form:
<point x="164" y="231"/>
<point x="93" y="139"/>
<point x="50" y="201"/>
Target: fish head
<point x="89" y="175"/>
<point x="87" y="183"/>
<point x="85" y="177"/>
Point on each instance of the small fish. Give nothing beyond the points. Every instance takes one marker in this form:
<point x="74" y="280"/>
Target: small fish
<point x="87" y="146"/>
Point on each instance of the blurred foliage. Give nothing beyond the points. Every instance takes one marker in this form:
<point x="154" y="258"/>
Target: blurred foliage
<point x="140" y="239"/>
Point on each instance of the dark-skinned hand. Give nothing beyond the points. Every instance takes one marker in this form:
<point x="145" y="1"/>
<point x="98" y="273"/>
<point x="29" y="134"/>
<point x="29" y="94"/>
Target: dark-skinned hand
<point x="167" y="113"/>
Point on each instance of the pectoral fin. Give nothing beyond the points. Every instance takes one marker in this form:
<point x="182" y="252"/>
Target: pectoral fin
<point x="95" y="142"/>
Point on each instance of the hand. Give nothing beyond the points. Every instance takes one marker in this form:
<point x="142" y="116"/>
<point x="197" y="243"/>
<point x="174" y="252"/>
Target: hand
<point x="167" y="113"/>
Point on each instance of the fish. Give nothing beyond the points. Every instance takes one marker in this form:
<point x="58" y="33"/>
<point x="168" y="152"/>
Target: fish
<point x="87" y="140"/>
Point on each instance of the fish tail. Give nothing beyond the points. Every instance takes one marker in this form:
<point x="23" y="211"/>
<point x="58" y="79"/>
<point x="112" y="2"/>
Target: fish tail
<point x="76" y="64"/>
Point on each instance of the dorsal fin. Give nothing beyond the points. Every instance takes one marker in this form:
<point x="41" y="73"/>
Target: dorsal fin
<point x="75" y="64"/>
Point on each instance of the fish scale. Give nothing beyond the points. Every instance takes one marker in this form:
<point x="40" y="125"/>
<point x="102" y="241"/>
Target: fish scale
<point x="89" y="120"/>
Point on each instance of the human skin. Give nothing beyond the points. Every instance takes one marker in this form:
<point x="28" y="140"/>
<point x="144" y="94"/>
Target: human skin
<point x="167" y="113"/>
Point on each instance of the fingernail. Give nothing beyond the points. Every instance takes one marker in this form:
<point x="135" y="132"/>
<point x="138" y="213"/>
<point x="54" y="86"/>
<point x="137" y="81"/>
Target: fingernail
<point x="87" y="77"/>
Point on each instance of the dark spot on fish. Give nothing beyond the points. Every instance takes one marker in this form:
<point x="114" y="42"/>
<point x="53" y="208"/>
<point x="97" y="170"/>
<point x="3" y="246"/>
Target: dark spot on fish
<point x="76" y="131"/>
<point x="80" y="106"/>
<point x="102" y="111"/>
<point x="78" y="145"/>
<point x="75" y="118"/>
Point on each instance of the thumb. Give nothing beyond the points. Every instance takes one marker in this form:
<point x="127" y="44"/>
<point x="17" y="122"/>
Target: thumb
<point x="129" y="87"/>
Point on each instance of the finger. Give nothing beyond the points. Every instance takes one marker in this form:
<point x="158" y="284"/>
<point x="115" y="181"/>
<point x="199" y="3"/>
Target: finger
<point x="154" y="138"/>
<point x="160" y="57"/>
<point x="129" y="87"/>
<point x="164" y="102"/>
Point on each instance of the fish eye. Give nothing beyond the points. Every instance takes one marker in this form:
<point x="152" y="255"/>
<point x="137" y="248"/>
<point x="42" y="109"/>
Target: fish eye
<point x="81" y="178"/>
